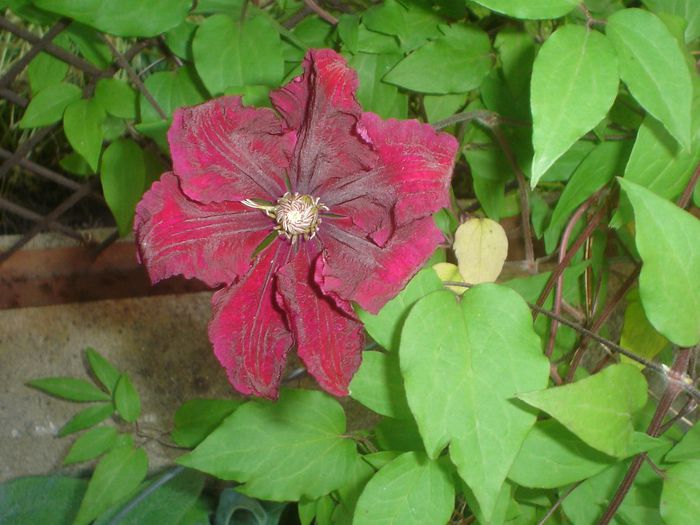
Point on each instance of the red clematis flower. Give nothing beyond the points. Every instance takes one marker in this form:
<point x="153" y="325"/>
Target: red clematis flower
<point x="346" y="196"/>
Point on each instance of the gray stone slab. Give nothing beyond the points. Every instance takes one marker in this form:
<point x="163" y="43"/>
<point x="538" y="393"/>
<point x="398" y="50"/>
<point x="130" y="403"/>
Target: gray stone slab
<point x="160" y="341"/>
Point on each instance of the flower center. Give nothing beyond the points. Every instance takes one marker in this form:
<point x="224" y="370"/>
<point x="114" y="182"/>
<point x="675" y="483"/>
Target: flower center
<point x="296" y="215"/>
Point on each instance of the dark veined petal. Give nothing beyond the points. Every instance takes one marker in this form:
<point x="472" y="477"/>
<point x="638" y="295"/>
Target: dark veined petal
<point x="224" y="151"/>
<point x="248" y="328"/>
<point x="356" y="269"/>
<point x="329" y="340"/>
<point x="321" y="106"/>
<point x="411" y="178"/>
<point x="210" y="242"/>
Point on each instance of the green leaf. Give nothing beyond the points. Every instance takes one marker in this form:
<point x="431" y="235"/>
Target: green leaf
<point x="638" y="336"/>
<point x="87" y="418"/>
<point x="385" y="326"/>
<point x="374" y="94"/>
<point x="412" y="489"/>
<point x="123" y="18"/>
<point x="438" y="107"/>
<point x="606" y="161"/>
<point x="378" y="385"/>
<point x="680" y="504"/>
<point x="168" y="504"/>
<point x="412" y="23"/>
<point x="530" y="289"/>
<point x="568" y="163"/>
<point x="82" y="124"/>
<point x="658" y="162"/>
<point x="312" y="32"/>
<point x="90" y="45"/>
<point x="687" y="448"/>
<point x="574" y="84"/>
<point x="91" y="444"/>
<point x="127" y="400"/>
<point x="235" y="508"/>
<point x="348" y="30"/>
<point x="532" y="9"/>
<point x="307" y="511"/>
<point x="551" y="457"/>
<point x="349" y="493"/>
<point x="116" y="97"/>
<point x="517" y="51"/>
<point x="157" y="131"/>
<point x="179" y="39"/>
<point x="123" y="177"/>
<point x="40" y="499"/>
<point x="460" y="391"/>
<point x="599" y="408"/>
<point x="373" y="42"/>
<point x="76" y="164"/>
<point x="325" y="507"/>
<point x="586" y="504"/>
<point x="197" y="418"/>
<point x="490" y="171"/>
<point x="689" y="10"/>
<point x="233" y="53"/>
<point x="457" y="61"/>
<point x="103" y="369"/>
<point x="281" y="451"/>
<point x="46" y="70"/>
<point x="667" y="239"/>
<point x="112" y="128"/>
<point x="258" y="96"/>
<point x="69" y="388"/>
<point x="198" y="514"/>
<point x="398" y="434"/>
<point x="217" y="6"/>
<point x="118" y="474"/>
<point x="171" y="90"/>
<point x="48" y="105"/>
<point x="653" y="67"/>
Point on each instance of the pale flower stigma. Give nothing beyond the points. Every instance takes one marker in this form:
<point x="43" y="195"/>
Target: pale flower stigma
<point x="296" y="215"/>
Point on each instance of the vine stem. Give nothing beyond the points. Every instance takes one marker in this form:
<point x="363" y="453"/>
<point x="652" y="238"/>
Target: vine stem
<point x="325" y="15"/>
<point x="522" y="193"/>
<point x="480" y="115"/>
<point x="680" y="365"/>
<point x="492" y="121"/>
<point x="688" y="192"/>
<point x="124" y="64"/>
<point x="590" y="21"/>
<point x="590" y="228"/>
<point x="600" y="320"/>
<point x="559" y="281"/>
<point x="558" y="503"/>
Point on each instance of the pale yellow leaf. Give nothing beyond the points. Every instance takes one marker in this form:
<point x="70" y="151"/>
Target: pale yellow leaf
<point x="481" y="247"/>
<point x="449" y="272"/>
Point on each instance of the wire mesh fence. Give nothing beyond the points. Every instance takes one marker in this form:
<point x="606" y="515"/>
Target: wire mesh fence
<point x="73" y="191"/>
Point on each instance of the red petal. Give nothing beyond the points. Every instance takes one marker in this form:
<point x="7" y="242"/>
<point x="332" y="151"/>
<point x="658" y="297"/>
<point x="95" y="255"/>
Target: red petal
<point x="411" y="179"/>
<point x="210" y="242"/>
<point x="248" y="329"/>
<point x="224" y="151"/>
<point x="321" y="106"/>
<point x="329" y="341"/>
<point x="358" y="270"/>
